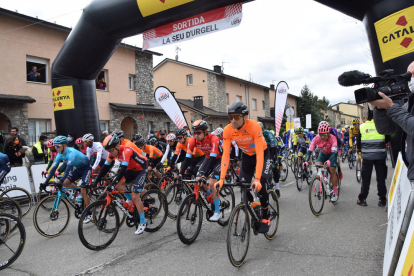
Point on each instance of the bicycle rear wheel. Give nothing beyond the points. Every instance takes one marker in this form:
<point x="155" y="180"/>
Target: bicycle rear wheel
<point x="359" y="171"/>
<point x="285" y="171"/>
<point x="11" y="207"/>
<point x="273" y="211"/>
<point x="316" y="196"/>
<point x="21" y="196"/>
<point x="53" y="218"/>
<point x="102" y="230"/>
<point x="11" y="245"/>
<point x="189" y="220"/>
<point x="238" y="235"/>
<point x="155" y="210"/>
<point x="227" y="203"/>
<point x="175" y="195"/>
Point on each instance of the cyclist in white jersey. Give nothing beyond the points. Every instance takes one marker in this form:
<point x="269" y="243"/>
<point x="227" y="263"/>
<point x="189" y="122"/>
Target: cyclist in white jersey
<point x="96" y="149"/>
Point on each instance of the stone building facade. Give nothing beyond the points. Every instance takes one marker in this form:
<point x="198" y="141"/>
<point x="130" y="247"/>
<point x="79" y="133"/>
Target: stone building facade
<point x="216" y="87"/>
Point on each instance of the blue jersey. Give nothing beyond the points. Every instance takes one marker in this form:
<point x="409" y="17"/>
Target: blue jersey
<point x="73" y="158"/>
<point x="4" y="159"/>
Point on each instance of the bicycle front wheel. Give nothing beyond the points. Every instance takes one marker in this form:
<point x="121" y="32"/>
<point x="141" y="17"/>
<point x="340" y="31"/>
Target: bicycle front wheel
<point x="11" y="245"/>
<point x="175" y="195"/>
<point x="316" y="196"/>
<point x="21" y="196"/>
<point x="359" y="171"/>
<point x="238" y="235"/>
<point x="102" y="230"/>
<point x="189" y="220"/>
<point x="273" y="211"/>
<point x="285" y="171"/>
<point x="11" y="207"/>
<point x="51" y="216"/>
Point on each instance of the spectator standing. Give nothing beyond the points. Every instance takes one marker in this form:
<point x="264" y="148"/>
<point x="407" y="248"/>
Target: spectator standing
<point x="34" y="75"/>
<point x="40" y="151"/>
<point x="104" y="135"/>
<point x="15" y="152"/>
<point x="372" y="146"/>
<point x="71" y="141"/>
<point x="15" y="133"/>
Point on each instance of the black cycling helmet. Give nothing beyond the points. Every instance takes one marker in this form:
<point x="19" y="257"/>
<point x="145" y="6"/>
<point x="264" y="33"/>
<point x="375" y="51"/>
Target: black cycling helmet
<point x="137" y="136"/>
<point x="140" y="142"/>
<point x="119" y="133"/>
<point x="181" y="132"/>
<point x="152" y="141"/>
<point x="110" y="142"/>
<point x="200" y="125"/>
<point x="238" y="108"/>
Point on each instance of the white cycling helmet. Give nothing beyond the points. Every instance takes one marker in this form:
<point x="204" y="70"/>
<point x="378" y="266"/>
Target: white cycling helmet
<point x="87" y="137"/>
<point x="170" y="137"/>
<point x="218" y="131"/>
<point x="347" y="127"/>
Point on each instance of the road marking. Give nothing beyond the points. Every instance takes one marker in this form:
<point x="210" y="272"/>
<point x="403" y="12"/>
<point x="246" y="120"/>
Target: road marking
<point x="99" y="267"/>
<point x="289" y="184"/>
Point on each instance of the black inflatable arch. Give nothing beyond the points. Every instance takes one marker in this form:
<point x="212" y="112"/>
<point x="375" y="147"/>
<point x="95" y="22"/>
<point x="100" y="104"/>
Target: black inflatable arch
<point x="104" y="23"/>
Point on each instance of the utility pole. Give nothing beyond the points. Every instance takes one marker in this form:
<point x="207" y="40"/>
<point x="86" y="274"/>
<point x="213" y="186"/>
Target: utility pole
<point x="177" y="49"/>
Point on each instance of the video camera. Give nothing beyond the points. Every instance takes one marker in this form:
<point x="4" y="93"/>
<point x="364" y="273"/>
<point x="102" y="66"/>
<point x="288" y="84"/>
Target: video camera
<point x="394" y="86"/>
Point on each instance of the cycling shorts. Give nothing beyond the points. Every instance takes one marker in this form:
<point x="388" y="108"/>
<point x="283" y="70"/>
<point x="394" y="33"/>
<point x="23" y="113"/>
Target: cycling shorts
<point x="216" y="169"/>
<point x="138" y="177"/>
<point x="195" y="165"/>
<point x="333" y="157"/>
<point x="302" y="150"/>
<point x="82" y="172"/>
<point x="154" y="162"/>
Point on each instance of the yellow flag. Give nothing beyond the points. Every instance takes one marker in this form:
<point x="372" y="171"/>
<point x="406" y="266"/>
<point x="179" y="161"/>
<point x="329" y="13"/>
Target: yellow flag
<point x="63" y="98"/>
<point x="149" y="7"/>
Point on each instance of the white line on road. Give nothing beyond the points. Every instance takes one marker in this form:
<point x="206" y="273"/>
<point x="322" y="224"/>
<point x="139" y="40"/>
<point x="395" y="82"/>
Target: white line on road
<point x="289" y="184"/>
<point x="99" y="267"/>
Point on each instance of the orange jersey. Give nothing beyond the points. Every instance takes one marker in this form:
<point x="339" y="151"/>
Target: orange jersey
<point x="250" y="139"/>
<point x="128" y="143"/>
<point x="152" y="152"/>
<point x="180" y="146"/>
<point x="210" y="146"/>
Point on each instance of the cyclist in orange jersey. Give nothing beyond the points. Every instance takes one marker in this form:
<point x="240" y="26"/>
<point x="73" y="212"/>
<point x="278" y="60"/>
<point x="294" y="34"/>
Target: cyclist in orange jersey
<point x="125" y="142"/>
<point x="249" y="137"/>
<point x="154" y="157"/>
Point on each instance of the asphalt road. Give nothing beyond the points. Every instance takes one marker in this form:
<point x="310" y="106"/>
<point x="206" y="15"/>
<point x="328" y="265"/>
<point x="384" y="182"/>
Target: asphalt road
<point x="346" y="239"/>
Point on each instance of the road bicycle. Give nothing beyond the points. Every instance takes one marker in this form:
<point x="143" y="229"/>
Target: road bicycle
<point x="104" y="226"/>
<point x="11" y="242"/>
<point x="301" y="175"/>
<point x="351" y="158"/>
<point x="190" y="213"/>
<point x="21" y="196"/>
<point x="322" y="189"/>
<point x="11" y="207"/>
<point x="240" y="223"/>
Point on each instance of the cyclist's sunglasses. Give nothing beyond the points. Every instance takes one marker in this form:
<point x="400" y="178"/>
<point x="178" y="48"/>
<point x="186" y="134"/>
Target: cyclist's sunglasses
<point x="323" y="134"/>
<point x="111" y="150"/>
<point x="235" y="117"/>
<point x="356" y="124"/>
<point x="197" y="132"/>
<point x="179" y="137"/>
<point x="57" y="146"/>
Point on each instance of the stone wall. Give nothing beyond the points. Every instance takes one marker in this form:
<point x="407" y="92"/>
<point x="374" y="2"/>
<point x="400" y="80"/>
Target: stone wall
<point x="144" y="78"/>
<point x="17" y="114"/>
<point x="267" y="102"/>
<point x="216" y="87"/>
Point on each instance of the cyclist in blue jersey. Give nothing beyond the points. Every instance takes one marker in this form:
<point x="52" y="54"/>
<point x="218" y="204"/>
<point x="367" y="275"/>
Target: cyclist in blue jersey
<point x="4" y="166"/>
<point x="73" y="158"/>
<point x="308" y="136"/>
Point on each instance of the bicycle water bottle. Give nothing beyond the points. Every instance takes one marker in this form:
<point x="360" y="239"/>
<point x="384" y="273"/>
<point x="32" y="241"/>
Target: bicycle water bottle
<point x="131" y="206"/>
<point x="79" y="198"/>
<point x="125" y="204"/>
<point x="257" y="207"/>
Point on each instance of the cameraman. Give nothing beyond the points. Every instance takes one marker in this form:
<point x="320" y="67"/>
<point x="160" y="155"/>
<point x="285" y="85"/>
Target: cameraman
<point x="390" y="118"/>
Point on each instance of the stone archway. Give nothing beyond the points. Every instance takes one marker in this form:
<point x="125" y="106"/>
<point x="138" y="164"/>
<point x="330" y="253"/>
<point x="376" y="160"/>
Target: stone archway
<point x="129" y="126"/>
<point x="5" y="124"/>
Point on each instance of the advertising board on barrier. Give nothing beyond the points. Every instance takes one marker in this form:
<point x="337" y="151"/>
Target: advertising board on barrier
<point x="395" y="179"/>
<point x="37" y="175"/>
<point x="17" y="177"/>
<point x="405" y="265"/>
<point x="397" y="207"/>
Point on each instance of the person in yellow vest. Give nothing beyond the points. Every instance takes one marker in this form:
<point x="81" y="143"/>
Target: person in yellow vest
<point x="372" y="146"/>
<point x="40" y="151"/>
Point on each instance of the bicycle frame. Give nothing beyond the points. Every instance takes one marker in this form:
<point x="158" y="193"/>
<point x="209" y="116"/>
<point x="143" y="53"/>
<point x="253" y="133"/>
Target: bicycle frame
<point x="111" y="198"/>
<point x="245" y="187"/>
<point x="62" y="194"/>
<point x="322" y="171"/>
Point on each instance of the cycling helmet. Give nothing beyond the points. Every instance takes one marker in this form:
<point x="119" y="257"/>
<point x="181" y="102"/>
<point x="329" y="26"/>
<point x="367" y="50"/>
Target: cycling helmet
<point x="355" y="121"/>
<point x="347" y="127"/>
<point x="324" y="128"/>
<point x="110" y="141"/>
<point x="152" y="141"/>
<point x="88" y="137"/>
<point x="323" y="122"/>
<point x="137" y="136"/>
<point x="79" y="140"/>
<point x="299" y="130"/>
<point x="273" y="132"/>
<point x="261" y="125"/>
<point x="181" y="132"/>
<point x="218" y="131"/>
<point x="238" y="108"/>
<point x="170" y="137"/>
<point x="50" y="143"/>
<point x="313" y="132"/>
<point x="140" y="142"/>
<point x="60" y="140"/>
<point x="118" y="133"/>
<point x="200" y="125"/>
<point x="305" y="130"/>
<point x="338" y="130"/>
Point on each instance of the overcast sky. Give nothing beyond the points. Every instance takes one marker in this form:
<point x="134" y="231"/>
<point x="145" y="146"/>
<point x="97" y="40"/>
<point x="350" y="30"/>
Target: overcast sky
<point x="300" y="42"/>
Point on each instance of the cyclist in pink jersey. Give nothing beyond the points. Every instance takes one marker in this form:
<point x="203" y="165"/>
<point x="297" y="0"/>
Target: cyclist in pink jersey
<point x="328" y="145"/>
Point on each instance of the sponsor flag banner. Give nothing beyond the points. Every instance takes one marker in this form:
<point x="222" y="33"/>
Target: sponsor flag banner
<point x="282" y="91"/>
<point x="62" y="98"/>
<point x="396" y="33"/>
<point x="167" y="101"/>
<point x="308" y="120"/>
<point x="296" y="122"/>
<point x="195" y="26"/>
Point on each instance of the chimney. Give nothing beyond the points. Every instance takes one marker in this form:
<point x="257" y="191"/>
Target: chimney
<point x="217" y="69"/>
<point x="173" y="93"/>
<point x="272" y="86"/>
<point x="198" y="102"/>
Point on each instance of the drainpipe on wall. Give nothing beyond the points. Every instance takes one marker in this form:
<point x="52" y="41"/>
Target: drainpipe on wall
<point x="247" y="95"/>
